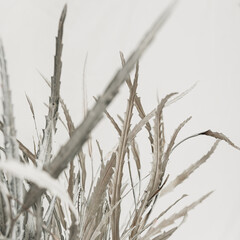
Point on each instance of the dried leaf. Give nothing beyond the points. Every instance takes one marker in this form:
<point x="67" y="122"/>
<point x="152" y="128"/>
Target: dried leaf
<point x="171" y="220"/>
<point x="113" y="122"/>
<point x="23" y="148"/>
<point x="186" y="173"/>
<point x="138" y="104"/>
<point x="30" y="105"/>
<point x="117" y="181"/>
<point x="157" y="170"/>
<point x="49" y="213"/>
<point x="135" y="152"/>
<point x="39" y="177"/>
<point x="220" y="136"/>
<point x="172" y="141"/>
<point x="10" y="141"/>
<point x="55" y="81"/>
<point x="67" y="115"/>
<point x="166" y="235"/>
<point x="96" y="198"/>
<point x="15" y="187"/>
<point x="51" y="120"/>
<point x="140" y="125"/>
<point x="181" y="95"/>
<point x="5" y="209"/>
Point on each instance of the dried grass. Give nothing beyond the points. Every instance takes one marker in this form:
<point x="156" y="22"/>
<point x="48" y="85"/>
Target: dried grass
<point x="33" y="202"/>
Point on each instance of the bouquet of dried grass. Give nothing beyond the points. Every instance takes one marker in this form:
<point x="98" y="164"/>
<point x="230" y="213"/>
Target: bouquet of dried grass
<point x="33" y="203"/>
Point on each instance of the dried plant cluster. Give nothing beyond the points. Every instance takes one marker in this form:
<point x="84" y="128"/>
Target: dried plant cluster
<point x="33" y="203"/>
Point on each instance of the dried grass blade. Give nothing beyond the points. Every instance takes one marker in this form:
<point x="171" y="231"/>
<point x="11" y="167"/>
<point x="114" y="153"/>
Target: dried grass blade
<point x="55" y="81"/>
<point x="11" y="145"/>
<point x="137" y="218"/>
<point x="100" y="151"/>
<point x="183" y="212"/>
<point x="158" y="167"/>
<point x="220" y="136"/>
<point x="28" y="153"/>
<point x="137" y="128"/>
<point x="117" y="182"/>
<point x="49" y="213"/>
<point x="171" y="143"/>
<point x="96" y="198"/>
<point x="75" y="143"/>
<point x="67" y="115"/>
<point x="131" y="181"/>
<point x="186" y="173"/>
<point x="51" y="119"/>
<point x="39" y="177"/>
<point x="128" y="78"/>
<point x="181" y="95"/>
<point x="166" y="235"/>
<point x="10" y="141"/>
<point x="71" y="180"/>
<point x="142" y="115"/>
<point x="30" y="105"/>
<point x="135" y="152"/>
<point x="71" y="129"/>
<point x="138" y="105"/>
<point x="165" y="211"/>
<point x="58" y="214"/>
<point x="157" y="170"/>
<point x="5" y="208"/>
<point x="209" y="133"/>
<point x="104" y="221"/>
<point x="23" y="148"/>
<point x="171" y="220"/>
<point x="114" y="123"/>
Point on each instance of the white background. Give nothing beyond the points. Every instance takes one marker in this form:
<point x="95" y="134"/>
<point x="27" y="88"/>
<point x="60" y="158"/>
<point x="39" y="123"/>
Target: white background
<point x="199" y="43"/>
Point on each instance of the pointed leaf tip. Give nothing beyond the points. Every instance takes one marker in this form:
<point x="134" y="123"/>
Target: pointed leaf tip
<point x="219" y="136"/>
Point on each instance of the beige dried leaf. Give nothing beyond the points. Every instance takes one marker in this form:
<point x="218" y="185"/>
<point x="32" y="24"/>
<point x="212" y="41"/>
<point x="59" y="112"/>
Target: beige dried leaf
<point x="171" y="220"/>
<point x="186" y="173"/>
<point x="172" y="142"/>
<point x="30" y="105"/>
<point x="117" y="181"/>
<point x="138" y="104"/>
<point x="96" y="198"/>
<point x="220" y="136"/>
<point x="158" y="148"/>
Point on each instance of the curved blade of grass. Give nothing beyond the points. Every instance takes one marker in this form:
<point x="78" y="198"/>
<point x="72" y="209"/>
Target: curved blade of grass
<point x="158" y="148"/>
<point x="171" y="220"/>
<point x="39" y="177"/>
<point x="181" y="95"/>
<point x="220" y="136"/>
<point x="186" y="173"/>
<point x="209" y="133"/>
<point x="171" y="143"/>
